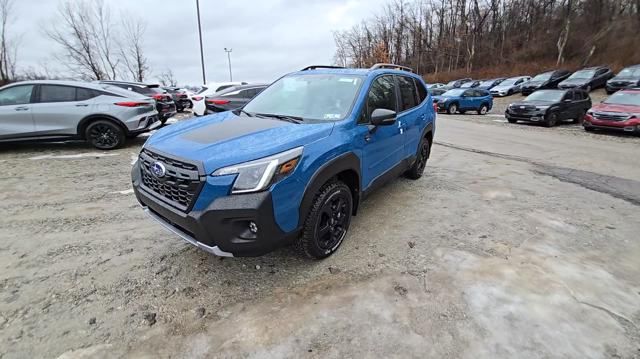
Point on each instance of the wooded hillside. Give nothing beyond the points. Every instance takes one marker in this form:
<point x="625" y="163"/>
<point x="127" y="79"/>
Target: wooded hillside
<point x="445" y="39"/>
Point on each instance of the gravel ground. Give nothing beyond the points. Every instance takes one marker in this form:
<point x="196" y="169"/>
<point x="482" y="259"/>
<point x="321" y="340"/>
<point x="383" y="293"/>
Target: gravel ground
<point x="520" y="241"/>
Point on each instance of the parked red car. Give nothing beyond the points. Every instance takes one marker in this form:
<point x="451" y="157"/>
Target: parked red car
<point x="621" y="111"/>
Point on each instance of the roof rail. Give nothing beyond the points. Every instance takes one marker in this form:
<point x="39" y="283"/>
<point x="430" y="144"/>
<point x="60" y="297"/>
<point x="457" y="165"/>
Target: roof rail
<point x="313" y="67"/>
<point x="391" y="66"/>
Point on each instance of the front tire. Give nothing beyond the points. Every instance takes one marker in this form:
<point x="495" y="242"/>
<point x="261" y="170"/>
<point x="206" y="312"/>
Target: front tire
<point x="424" y="151"/>
<point x="328" y="221"/>
<point x="552" y="120"/>
<point x="104" y="135"/>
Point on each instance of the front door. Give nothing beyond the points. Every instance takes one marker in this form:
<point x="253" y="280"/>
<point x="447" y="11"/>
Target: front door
<point x="382" y="146"/>
<point x="16" y="119"/>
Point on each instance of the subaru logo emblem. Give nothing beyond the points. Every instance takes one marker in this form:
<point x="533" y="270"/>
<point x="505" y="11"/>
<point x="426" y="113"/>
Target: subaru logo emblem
<point x="158" y="169"/>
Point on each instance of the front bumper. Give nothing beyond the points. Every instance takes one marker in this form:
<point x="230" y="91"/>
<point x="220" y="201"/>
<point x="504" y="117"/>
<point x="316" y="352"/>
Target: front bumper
<point x="528" y="117"/>
<point x="632" y="125"/>
<point x="529" y="90"/>
<point x="611" y="87"/>
<point x="240" y="225"/>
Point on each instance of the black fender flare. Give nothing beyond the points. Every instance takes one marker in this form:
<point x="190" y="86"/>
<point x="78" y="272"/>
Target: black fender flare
<point x="82" y="125"/>
<point x="428" y="128"/>
<point x="346" y="162"/>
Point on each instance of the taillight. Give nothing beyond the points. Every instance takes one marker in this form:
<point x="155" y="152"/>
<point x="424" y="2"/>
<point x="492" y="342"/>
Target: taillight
<point x="435" y="107"/>
<point x="197" y="98"/>
<point x="132" y="104"/>
<point x="159" y="97"/>
<point x="218" y="102"/>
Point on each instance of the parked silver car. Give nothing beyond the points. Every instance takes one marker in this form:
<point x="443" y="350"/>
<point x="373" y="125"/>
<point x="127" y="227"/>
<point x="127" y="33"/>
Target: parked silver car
<point x="509" y="86"/>
<point x="103" y="115"/>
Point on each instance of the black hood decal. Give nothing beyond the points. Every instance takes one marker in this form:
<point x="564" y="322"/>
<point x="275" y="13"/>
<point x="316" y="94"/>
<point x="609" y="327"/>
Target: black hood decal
<point x="231" y="128"/>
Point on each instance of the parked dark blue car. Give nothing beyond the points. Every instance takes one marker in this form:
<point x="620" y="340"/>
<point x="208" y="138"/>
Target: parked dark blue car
<point x="292" y="165"/>
<point x="463" y="100"/>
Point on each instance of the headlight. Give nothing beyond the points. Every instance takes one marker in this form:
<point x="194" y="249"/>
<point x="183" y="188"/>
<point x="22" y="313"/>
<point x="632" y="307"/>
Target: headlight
<point x="257" y="175"/>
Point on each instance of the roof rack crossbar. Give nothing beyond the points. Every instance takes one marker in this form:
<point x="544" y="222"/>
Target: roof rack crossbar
<point x="391" y="66"/>
<point x="313" y="67"/>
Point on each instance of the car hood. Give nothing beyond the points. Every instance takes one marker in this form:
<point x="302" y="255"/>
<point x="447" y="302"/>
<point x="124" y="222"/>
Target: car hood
<point x="574" y="82"/>
<point x="532" y="103"/>
<point x="625" y="79"/>
<point x="502" y="88"/>
<point x="534" y="83"/>
<point x="604" y="107"/>
<point x="437" y="98"/>
<point x="225" y="139"/>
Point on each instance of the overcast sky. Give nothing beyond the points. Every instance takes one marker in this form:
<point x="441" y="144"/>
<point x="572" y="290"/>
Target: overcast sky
<point x="268" y="37"/>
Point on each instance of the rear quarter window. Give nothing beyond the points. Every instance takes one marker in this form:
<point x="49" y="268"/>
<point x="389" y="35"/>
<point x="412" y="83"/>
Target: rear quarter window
<point x="408" y="96"/>
<point x="422" y="91"/>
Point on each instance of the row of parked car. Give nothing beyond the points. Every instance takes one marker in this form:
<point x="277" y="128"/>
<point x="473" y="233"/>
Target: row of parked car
<point x="105" y="113"/>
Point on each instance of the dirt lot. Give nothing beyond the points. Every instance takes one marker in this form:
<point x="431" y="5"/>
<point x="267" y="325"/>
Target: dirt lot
<point x="520" y="241"/>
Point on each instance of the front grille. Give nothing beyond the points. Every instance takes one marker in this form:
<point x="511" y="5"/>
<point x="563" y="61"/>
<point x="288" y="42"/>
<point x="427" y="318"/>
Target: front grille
<point x="179" y="186"/>
<point x="608" y="116"/>
<point x="526" y="109"/>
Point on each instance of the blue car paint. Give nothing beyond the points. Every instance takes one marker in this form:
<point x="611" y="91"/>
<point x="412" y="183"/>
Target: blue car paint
<point x="322" y="142"/>
<point x="469" y="103"/>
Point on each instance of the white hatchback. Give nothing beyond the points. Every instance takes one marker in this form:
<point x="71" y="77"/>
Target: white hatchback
<point x="199" y="107"/>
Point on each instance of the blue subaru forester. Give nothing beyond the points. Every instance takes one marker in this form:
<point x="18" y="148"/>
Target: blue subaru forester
<point x="292" y="165"/>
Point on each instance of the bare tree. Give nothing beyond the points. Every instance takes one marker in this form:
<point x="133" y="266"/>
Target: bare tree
<point x="166" y="78"/>
<point x="84" y="31"/>
<point x="8" y="47"/>
<point x="131" y="48"/>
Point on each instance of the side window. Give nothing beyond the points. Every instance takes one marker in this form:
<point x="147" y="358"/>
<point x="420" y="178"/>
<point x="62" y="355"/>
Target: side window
<point x="422" y="92"/>
<point x="568" y="96"/>
<point x="83" y="94"/>
<point x="469" y="93"/>
<point x="16" y="95"/>
<point x="601" y="72"/>
<point x="382" y="94"/>
<point x="408" y="96"/>
<point x="55" y="93"/>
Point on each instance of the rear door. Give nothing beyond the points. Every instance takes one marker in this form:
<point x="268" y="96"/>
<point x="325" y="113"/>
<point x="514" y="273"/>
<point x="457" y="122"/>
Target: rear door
<point x="16" y="119"/>
<point x="567" y="106"/>
<point x="411" y="114"/>
<point x="59" y="109"/>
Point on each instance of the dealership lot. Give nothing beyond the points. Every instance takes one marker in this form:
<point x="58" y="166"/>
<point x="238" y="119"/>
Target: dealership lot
<point x="520" y="241"/>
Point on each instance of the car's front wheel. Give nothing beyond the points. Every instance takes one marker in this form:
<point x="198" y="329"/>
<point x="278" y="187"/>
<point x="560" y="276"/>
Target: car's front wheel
<point x="328" y="221"/>
<point x="104" y="135"/>
<point x="551" y="120"/>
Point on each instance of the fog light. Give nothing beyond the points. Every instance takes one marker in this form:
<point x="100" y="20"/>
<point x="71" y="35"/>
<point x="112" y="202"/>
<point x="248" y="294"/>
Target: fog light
<point x="629" y="128"/>
<point x="253" y="227"/>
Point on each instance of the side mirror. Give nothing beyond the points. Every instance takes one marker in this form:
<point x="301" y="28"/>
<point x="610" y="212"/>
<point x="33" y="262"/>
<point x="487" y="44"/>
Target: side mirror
<point x="383" y="117"/>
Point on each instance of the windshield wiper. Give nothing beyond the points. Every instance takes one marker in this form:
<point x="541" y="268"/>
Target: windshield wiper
<point x="292" y="119"/>
<point x="245" y="112"/>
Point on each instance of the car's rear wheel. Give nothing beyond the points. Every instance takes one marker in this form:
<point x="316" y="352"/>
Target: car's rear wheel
<point x="424" y="151"/>
<point x="580" y="117"/>
<point x="483" y="110"/>
<point x="328" y="221"/>
<point x="551" y="120"/>
<point x="104" y="135"/>
<point x="452" y="108"/>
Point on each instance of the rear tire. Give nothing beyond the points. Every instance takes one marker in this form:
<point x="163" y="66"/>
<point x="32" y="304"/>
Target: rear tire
<point x="452" y="108"/>
<point x="104" y="135"/>
<point x="483" y="109"/>
<point x="328" y="221"/>
<point x="424" y="152"/>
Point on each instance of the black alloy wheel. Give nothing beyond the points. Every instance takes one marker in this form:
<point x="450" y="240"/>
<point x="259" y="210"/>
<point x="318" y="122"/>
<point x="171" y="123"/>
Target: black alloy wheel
<point x="105" y="135"/>
<point x="328" y="221"/>
<point x="424" y="151"/>
<point x="551" y="120"/>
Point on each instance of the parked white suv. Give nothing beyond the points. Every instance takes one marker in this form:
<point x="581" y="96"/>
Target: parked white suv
<point x="199" y="107"/>
<point x="103" y="115"/>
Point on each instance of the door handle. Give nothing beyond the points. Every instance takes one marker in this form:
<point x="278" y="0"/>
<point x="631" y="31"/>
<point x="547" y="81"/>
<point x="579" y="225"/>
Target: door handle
<point x="82" y="105"/>
<point x="22" y="108"/>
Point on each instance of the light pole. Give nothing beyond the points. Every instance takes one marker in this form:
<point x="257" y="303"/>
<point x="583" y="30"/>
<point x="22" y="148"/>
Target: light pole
<point x="204" y="78"/>
<point x="228" y="51"/>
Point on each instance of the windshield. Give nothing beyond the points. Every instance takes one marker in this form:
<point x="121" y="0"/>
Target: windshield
<point x="630" y="72"/>
<point x="624" y="98"/>
<point x="453" y="93"/>
<point x="583" y="74"/>
<point x="452" y="83"/>
<point x="550" y="96"/>
<point x="542" y="77"/>
<point x="324" y="97"/>
<point x="467" y="84"/>
<point x="487" y="83"/>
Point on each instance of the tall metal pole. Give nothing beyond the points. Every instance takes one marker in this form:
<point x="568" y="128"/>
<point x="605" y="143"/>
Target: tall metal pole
<point x="204" y="78"/>
<point x="228" y="51"/>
